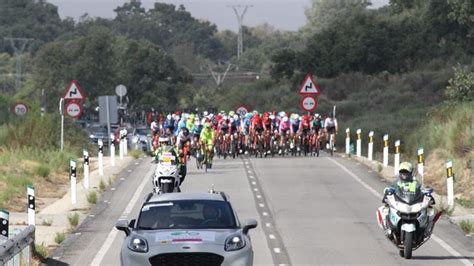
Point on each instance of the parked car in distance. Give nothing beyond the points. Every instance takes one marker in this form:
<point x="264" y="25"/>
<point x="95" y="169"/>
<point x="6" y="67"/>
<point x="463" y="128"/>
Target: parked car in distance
<point x="140" y="139"/>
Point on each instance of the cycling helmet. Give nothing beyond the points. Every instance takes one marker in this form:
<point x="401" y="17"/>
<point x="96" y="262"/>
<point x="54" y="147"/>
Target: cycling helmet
<point x="285" y="119"/>
<point x="197" y="122"/>
<point x="272" y="117"/>
<point x="405" y="172"/>
<point x="231" y="120"/>
<point x="248" y="115"/>
<point x="168" y="117"/>
<point x="164" y="139"/>
<point x="236" y="117"/>
<point x="231" y="113"/>
<point x="224" y="117"/>
<point x="297" y="116"/>
<point x="205" y="113"/>
<point x="185" y="131"/>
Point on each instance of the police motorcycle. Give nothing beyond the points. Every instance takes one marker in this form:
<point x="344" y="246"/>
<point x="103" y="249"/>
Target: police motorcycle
<point x="166" y="177"/>
<point x="408" y="218"/>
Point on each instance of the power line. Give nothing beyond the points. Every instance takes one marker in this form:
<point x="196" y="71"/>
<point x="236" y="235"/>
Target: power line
<point x="18" y="51"/>
<point x="240" y="19"/>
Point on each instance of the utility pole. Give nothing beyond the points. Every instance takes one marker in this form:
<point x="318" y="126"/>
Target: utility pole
<point x="240" y="18"/>
<point x="18" y="50"/>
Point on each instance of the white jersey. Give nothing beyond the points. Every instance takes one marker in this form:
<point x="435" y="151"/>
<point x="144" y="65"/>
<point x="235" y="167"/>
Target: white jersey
<point x="154" y="126"/>
<point x="330" y="122"/>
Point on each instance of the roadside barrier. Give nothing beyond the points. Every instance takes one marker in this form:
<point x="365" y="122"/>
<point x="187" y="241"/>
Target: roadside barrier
<point x="19" y="249"/>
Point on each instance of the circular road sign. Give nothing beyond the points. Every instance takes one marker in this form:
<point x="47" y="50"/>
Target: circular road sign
<point x="73" y="109"/>
<point x="308" y="103"/>
<point x="20" y="109"/>
<point x="121" y="90"/>
<point x="242" y="110"/>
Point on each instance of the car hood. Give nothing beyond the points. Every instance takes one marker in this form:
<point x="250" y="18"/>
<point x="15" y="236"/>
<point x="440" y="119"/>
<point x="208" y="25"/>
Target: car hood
<point x="187" y="236"/>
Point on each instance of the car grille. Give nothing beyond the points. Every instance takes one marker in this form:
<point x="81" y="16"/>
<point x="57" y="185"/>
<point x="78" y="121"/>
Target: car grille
<point x="182" y="259"/>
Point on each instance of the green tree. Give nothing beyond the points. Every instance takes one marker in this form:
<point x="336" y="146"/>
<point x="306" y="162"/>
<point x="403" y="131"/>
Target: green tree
<point x="461" y="86"/>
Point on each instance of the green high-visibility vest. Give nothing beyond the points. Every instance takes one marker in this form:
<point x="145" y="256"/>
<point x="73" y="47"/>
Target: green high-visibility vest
<point x="409" y="187"/>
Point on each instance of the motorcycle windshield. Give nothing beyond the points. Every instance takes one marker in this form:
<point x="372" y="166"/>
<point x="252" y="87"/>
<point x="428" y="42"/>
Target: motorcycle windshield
<point x="409" y="197"/>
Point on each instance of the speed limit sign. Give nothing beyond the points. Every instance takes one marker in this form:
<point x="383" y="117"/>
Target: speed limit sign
<point x="73" y="109"/>
<point x="20" y="109"/>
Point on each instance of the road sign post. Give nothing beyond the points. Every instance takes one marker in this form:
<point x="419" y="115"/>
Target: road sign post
<point x="101" y="157"/>
<point x="371" y="146"/>
<point x="396" y="162"/>
<point x="86" y="168"/>
<point x="359" y="143"/>
<point x="73" y="179"/>
<point x="348" y="141"/>
<point x="450" y="183"/>
<point x="30" y="192"/>
<point x="421" y="164"/>
<point x="4" y="222"/>
<point x="385" y="150"/>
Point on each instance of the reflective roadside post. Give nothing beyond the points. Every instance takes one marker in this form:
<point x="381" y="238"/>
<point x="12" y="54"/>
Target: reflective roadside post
<point x="112" y="150"/>
<point x="73" y="178"/>
<point x="348" y="140"/>
<point x="86" y="168"/>
<point x="4" y="220"/>
<point x="61" y="111"/>
<point x="121" y="145"/>
<point x="421" y="163"/>
<point x="101" y="157"/>
<point x="30" y="192"/>
<point x="371" y="146"/>
<point x="396" y="161"/>
<point x="385" y="150"/>
<point x="359" y="142"/>
<point x="125" y="144"/>
<point x="450" y="182"/>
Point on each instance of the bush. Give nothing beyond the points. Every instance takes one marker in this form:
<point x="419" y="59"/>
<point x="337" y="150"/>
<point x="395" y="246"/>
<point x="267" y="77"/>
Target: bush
<point x="43" y="170"/>
<point x="102" y="185"/>
<point x="467" y="226"/>
<point x="73" y="219"/>
<point x="59" y="238"/>
<point x="47" y="222"/>
<point x="92" y="197"/>
<point x="41" y="251"/>
<point x="136" y="153"/>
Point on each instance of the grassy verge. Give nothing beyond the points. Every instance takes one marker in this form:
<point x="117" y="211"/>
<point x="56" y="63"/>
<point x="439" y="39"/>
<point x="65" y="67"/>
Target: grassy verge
<point x="467" y="227"/>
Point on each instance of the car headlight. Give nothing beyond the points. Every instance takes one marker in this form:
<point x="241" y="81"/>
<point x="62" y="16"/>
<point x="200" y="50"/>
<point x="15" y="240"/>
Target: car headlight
<point x="138" y="244"/>
<point x="234" y="242"/>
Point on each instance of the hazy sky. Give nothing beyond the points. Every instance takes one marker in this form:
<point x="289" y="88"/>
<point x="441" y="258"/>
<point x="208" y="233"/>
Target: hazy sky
<point x="282" y="14"/>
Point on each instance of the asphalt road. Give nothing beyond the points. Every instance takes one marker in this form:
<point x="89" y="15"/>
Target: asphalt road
<point x="311" y="211"/>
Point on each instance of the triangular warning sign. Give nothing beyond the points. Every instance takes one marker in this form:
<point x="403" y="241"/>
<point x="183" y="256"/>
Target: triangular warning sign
<point x="73" y="92"/>
<point x="309" y="86"/>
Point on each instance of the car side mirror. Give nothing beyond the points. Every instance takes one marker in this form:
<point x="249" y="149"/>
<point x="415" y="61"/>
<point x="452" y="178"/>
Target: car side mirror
<point x="122" y="225"/>
<point x="249" y="224"/>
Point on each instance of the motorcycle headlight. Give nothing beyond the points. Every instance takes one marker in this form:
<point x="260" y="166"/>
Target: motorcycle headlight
<point x="234" y="242"/>
<point x="138" y="244"/>
<point x="91" y="136"/>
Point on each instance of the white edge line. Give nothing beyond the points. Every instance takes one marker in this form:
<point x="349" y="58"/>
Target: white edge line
<point x="441" y="242"/>
<point x="113" y="233"/>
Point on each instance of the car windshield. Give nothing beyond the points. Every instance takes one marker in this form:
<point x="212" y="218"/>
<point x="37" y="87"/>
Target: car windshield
<point x="142" y="131"/>
<point x="186" y="214"/>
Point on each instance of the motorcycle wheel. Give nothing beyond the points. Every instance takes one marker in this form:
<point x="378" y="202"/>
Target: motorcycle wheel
<point x="408" y="245"/>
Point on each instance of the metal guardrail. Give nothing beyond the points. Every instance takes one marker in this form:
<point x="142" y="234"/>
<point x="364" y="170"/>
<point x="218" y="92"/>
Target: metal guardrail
<point x="19" y="249"/>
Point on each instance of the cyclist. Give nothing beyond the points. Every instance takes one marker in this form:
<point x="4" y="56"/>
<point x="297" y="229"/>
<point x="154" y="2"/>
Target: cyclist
<point x="330" y="125"/>
<point x="284" y="128"/>
<point x="207" y="141"/>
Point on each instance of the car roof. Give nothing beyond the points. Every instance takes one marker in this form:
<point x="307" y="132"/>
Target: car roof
<point x="188" y="196"/>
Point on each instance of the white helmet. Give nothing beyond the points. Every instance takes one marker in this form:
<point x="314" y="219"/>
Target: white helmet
<point x="168" y="117"/>
<point x="231" y="120"/>
<point x="285" y="119"/>
<point x="205" y="113"/>
<point x="272" y="117"/>
<point x="197" y="122"/>
<point x="163" y="139"/>
<point x="236" y="117"/>
<point x="225" y="117"/>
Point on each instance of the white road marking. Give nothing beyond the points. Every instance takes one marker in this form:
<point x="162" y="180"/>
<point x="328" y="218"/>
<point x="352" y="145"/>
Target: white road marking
<point x="255" y="189"/>
<point x="271" y="236"/>
<point x="137" y="163"/>
<point x="258" y="196"/>
<point x="254" y="183"/>
<point x="268" y="224"/>
<point x="443" y="244"/>
<point x="122" y="178"/>
<point x="113" y="233"/>
<point x="129" y="170"/>
<point x="251" y="177"/>
<point x="261" y="205"/>
<point x="249" y="171"/>
<point x="276" y="250"/>
<point x="264" y="213"/>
